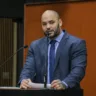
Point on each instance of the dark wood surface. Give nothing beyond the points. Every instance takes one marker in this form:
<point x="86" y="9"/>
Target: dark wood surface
<point x="37" y="92"/>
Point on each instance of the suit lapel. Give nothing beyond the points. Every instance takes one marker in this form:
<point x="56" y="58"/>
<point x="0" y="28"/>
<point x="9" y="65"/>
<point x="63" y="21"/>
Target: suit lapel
<point x="44" y="51"/>
<point x="60" y="47"/>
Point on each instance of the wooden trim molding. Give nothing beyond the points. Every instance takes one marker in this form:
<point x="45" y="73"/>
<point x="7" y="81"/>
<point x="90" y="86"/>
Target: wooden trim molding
<point x="38" y="2"/>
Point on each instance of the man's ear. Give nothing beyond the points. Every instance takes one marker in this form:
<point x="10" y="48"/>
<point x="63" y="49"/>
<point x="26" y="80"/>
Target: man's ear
<point x="60" y="22"/>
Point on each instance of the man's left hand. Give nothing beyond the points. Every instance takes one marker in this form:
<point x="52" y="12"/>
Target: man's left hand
<point x="57" y="84"/>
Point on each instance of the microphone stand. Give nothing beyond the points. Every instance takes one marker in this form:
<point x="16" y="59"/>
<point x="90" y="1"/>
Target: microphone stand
<point x="45" y="79"/>
<point x="46" y="61"/>
<point x="13" y="55"/>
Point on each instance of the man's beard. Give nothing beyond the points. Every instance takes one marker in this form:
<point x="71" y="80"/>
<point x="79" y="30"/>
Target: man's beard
<point x="56" y="33"/>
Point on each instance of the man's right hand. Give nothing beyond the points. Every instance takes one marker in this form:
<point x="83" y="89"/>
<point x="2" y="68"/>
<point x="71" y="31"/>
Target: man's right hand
<point x="25" y="84"/>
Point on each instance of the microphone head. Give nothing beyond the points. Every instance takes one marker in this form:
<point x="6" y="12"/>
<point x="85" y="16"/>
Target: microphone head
<point x="25" y="46"/>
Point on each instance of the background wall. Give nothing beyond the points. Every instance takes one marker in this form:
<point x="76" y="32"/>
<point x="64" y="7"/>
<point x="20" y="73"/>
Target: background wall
<point x="79" y="19"/>
<point x="11" y="21"/>
<point x="12" y="8"/>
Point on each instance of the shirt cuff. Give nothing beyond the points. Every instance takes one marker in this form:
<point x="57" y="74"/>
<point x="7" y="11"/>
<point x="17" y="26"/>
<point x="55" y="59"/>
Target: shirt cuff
<point x="66" y="85"/>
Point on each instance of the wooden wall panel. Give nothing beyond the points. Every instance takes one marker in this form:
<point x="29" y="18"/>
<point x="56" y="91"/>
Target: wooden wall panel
<point x="79" y="19"/>
<point x="6" y="49"/>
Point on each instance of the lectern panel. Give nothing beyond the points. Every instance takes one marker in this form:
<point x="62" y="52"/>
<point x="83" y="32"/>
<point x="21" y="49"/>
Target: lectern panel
<point x="45" y="92"/>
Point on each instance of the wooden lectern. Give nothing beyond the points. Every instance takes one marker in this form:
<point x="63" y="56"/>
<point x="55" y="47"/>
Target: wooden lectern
<point x="15" y="91"/>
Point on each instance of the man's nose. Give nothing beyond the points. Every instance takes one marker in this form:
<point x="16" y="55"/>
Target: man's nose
<point x="48" y="26"/>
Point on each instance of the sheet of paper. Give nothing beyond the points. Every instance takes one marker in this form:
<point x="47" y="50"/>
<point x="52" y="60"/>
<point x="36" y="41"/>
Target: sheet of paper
<point x="39" y="85"/>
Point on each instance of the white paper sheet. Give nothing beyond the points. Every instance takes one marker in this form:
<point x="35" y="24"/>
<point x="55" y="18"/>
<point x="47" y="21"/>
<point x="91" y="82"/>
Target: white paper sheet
<point x="39" y="85"/>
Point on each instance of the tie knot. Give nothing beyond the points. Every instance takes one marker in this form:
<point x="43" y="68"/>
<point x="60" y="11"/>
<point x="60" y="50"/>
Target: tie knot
<point x="52" y="41"/>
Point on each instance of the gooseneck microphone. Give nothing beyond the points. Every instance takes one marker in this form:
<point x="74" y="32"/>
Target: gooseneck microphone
<point x="46" y="60"/>
<point x="13" y="54"/>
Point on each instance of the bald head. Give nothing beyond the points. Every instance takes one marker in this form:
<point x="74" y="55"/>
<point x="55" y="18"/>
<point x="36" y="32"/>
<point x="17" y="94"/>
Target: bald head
<point x="51" y="13"/>
<point x="51" y="23"/>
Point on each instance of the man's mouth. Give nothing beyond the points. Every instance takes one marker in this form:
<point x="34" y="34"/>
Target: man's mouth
<point x="51" y="31"/>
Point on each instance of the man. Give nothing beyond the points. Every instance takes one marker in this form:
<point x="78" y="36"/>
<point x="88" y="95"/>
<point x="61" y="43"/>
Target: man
<point x="65" y="66"/>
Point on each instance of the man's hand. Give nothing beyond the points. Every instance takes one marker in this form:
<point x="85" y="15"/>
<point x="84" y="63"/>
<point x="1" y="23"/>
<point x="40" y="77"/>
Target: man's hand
<point x="57" y="84"/>
<point x="25" y="84"/>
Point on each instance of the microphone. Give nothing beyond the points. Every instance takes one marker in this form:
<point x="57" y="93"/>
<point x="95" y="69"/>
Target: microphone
<point x="45" y="72"/>
<point x="14" y="54"/>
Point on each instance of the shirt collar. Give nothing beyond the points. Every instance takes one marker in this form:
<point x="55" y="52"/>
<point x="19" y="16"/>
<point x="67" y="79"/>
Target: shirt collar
<point x="59" y="37"/>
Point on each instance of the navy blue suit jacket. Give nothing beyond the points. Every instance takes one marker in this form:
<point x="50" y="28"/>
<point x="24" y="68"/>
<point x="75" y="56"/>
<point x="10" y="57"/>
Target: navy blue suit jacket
<point x="70" y="64"/>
